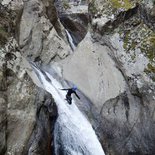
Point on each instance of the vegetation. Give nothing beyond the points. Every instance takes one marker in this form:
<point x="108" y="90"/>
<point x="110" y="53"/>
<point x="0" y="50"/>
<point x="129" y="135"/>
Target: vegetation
<point x="136" y="35"/>
<point x="139" y="36"/>
<point x="3" y="36"/>
<point x="125" y="4"/>
<point x="66" y="5"/>
<point x="151" y="67"/>
<point x="7" y="24"/>
<point x="152" y="47"/>
<point x="92" y="7"/>
<point x="150" y="70"/>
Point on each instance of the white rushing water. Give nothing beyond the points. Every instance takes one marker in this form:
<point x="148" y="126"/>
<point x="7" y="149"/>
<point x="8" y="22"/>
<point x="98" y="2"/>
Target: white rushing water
<point x="73" y="134"/>
<point x="70" y="39"/>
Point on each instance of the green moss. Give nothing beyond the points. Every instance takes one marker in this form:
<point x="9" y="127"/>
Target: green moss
<point x="126" y="39"/>
<point x="66" y="5"/>
<point x="151" y="53"/>
<point x="152" y="39"/>
<point x="140" y="37"/>
<point x="133" y="56"/>
<point x="3" y="36"/>
<point x="133" y="45"/>
<point x="151" y="67"/>
<point x="129" y="44"/>
<point x="125" y="4"/>
<point x="92" y="7"/>
<point x="150" y="71"/>
<point x="148" y="47"/>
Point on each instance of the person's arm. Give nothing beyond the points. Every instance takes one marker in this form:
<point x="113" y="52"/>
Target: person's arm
<point x="64" y="89"/>
<point x="77" y="95"/>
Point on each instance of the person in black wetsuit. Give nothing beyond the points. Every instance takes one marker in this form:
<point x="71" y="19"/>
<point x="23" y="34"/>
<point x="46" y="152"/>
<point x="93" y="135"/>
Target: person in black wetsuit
<point x="70" y="91"/>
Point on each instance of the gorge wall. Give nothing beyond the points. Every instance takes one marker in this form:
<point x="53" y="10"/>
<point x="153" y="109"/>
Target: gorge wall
<point x="113" y="65"/>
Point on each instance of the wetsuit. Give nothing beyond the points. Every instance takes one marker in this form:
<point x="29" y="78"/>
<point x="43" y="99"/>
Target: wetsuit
<point x="70" y="91"/>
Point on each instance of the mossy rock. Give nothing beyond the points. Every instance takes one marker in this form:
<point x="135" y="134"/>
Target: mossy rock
<point x="122" y="4"/>
<point x="66" y="5"/>
<point x="148" y="47"/>
<point x="6" y="25"/>
<point x="150" y="71"/>
<point x="151" y="53"/>
<point x="151" y="67"/>
<point x="3" y="36"/>
<point x="138" y="36"/>
<point x="93" y="9"/>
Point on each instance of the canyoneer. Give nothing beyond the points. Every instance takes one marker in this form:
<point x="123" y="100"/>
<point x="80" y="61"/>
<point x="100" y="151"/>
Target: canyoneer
<point x="70" y="91"/>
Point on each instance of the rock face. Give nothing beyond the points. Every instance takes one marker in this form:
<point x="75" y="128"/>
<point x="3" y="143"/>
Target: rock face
<point x="76" y="24"/>
<point x="41" y="141"/>
<point x="74" y="17"/>
<point x="3" y="117"/>
<point x="114" y="67"/>
<point x="38" y="33"/>
<point x="28" y="112"/>
<point x="97" y="79"/>
<point x="25" y="109"/>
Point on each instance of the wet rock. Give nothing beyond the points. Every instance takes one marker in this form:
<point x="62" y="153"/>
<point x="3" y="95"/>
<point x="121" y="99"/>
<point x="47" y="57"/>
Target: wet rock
<point x="75" y="18"/>
<point x="21" y="102"/>
<point x="123" y="107"/>
<point x="77" y="25"/>
<point x="41" y="141"/>
<point x="3" y="111"/>
<point x="128" y="119"/>
<point x="31" y="114"/>
<point x="98" y="72"/>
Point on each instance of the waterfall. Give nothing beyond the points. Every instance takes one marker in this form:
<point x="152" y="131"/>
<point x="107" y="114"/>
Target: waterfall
<point x="70" y="40"/>
<point x="73" y="134"/>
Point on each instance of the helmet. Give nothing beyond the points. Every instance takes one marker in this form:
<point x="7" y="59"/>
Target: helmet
<point x="74" y="88"/>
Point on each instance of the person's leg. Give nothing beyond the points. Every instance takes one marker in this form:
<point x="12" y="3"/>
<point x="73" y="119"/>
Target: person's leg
<point x="66" y="97"/>
<point x="69" y="99"/>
